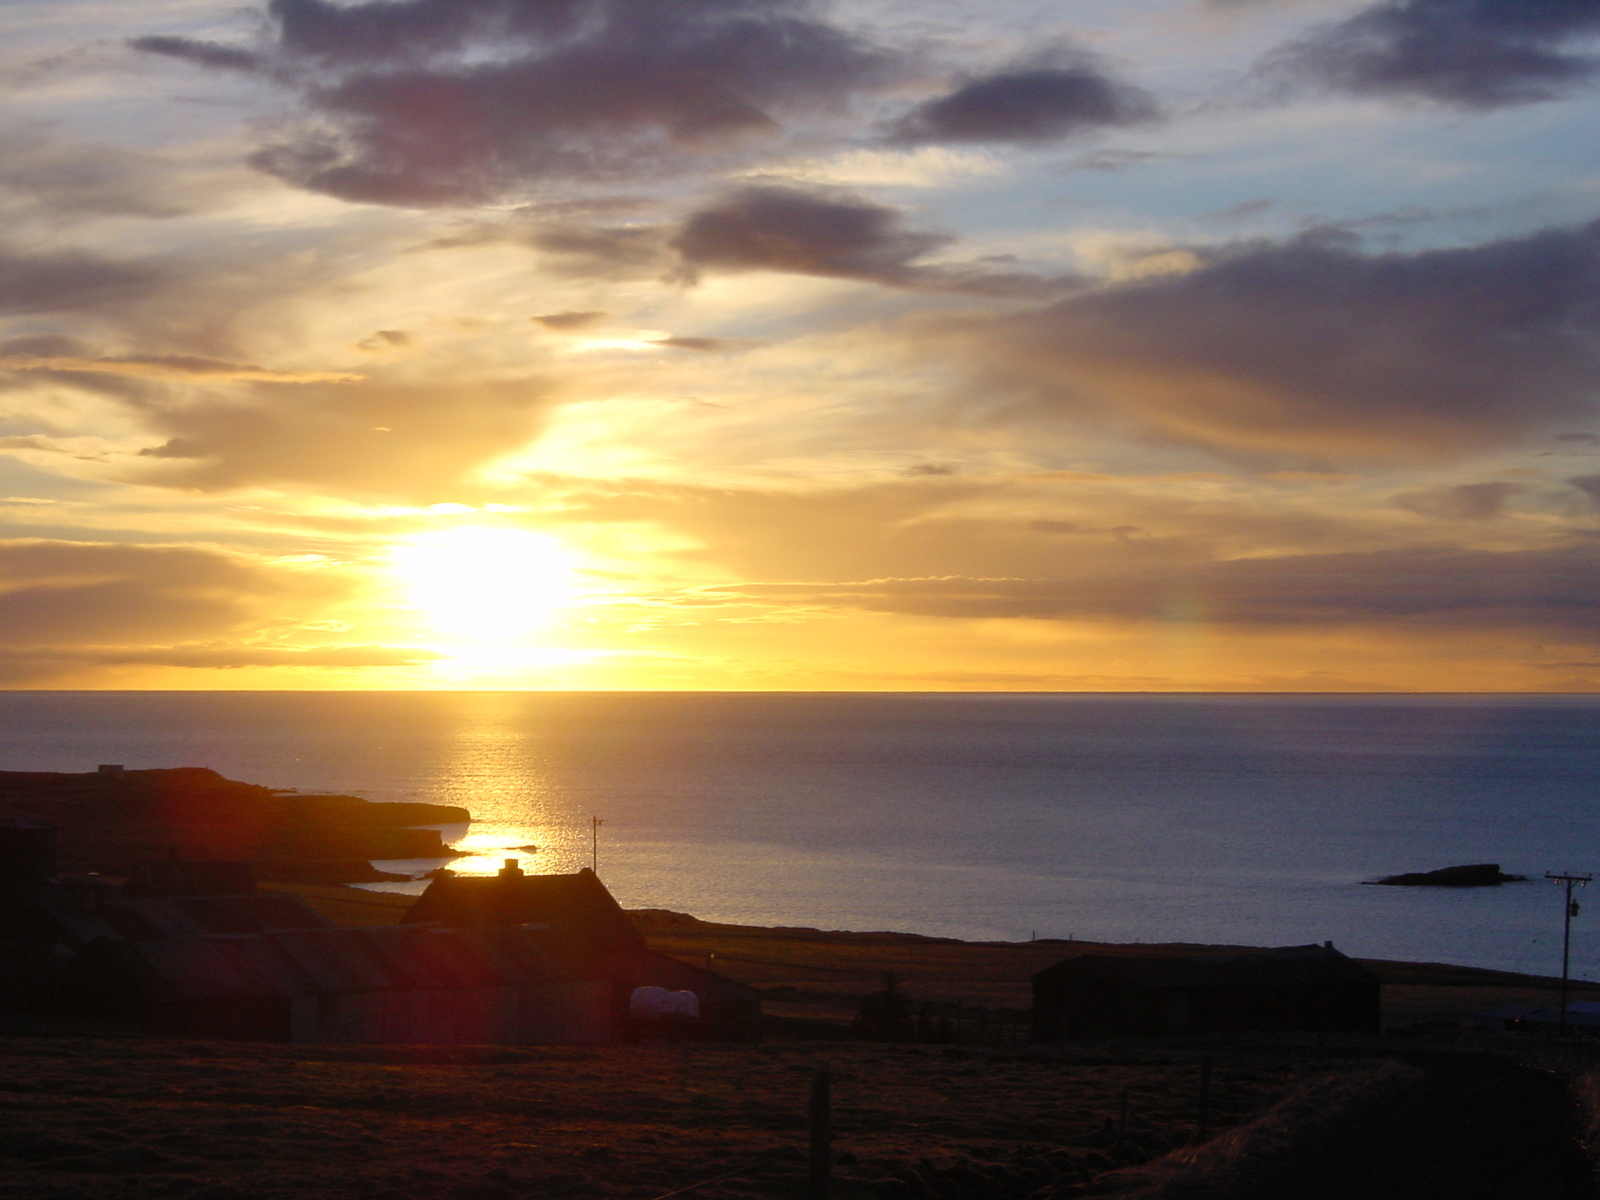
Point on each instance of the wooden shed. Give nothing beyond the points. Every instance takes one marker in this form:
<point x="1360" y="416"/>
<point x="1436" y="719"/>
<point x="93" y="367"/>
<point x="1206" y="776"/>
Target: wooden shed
<point x="1312" y="988"/>
<point x="415" y="984"/>
<point x="580" y="924"/>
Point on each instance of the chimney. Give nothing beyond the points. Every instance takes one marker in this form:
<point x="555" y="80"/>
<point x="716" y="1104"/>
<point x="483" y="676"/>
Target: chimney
<point x="511" y="870"/>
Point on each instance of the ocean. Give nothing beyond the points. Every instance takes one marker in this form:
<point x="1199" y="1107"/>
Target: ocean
<point x="1246" y="819"/>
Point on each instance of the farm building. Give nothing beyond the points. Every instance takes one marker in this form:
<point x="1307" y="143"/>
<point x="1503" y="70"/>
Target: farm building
<point x="1295" y="988"/>
<point x="418" y="984"/>
<point x="585" y="930"/>
<point x="45" y="917"/>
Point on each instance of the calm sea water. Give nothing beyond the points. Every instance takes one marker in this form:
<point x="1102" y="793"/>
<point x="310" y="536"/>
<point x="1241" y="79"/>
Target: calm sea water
<point x="1246" y="819"/>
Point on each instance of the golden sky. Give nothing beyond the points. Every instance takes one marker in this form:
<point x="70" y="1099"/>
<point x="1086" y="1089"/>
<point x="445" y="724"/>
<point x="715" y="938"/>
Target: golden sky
<point x="768" y="344"/>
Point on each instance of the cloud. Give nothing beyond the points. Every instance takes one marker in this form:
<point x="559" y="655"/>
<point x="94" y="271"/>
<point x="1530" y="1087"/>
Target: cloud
<point x="373" y="437"/>
<point x="1469" y="54"/>
<point x="568" y="322"/>
<point x="708" y="345"/>
<point x="231" y="657"/>
<point x="55" y="178"/>
<point x="1314" y="350"/>
<point x="205" y="54"/>
<point x="820" y="231"/>
<point x="55" y="593"/>
<point x="1555" y="590"/>
<point x="1463" y="502"/>
<point x="1034" y="105"/>
<point x="598" y="251"/>
<point x="168" y="366"/>
<point x="1589" y="485"/>
<point x="425" y="103"/>
<point x="805" y="232"/>
<point x="44" y="282"/>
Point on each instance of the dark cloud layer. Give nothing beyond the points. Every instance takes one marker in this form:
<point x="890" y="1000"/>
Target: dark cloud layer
<point x="804" y="232"/>
<point x="40" y="283"/>
<point x="1556" y="590"/>
<point x="426" y="103"/>
<point x="1040" y="104"/>
<point x="814" y="231"/>
<point x="1472" y="54"/>
<point x="1312" y="349"/>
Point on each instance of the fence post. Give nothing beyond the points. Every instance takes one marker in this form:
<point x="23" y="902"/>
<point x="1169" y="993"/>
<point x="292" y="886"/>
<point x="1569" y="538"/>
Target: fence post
<point x="821" y="1176"/>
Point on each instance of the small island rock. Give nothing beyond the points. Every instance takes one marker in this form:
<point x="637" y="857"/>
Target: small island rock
<point x="1472" y="875"/>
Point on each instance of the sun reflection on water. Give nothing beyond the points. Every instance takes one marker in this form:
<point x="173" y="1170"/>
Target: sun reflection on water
<point x="496" y="768"/>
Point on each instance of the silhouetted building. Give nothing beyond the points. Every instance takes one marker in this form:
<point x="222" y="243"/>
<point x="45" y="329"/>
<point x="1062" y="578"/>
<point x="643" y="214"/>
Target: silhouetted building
<point x="46" y="918"/>
<point x="409" y="984"/>
<point x="1311" y="988"/>
<point x="585" y="930"/>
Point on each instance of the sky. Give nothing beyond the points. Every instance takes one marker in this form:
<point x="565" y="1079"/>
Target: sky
<point x="1149" y="345"/>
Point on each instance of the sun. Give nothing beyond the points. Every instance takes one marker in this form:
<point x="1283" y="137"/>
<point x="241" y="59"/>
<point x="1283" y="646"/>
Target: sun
<point x="485" y="584"/>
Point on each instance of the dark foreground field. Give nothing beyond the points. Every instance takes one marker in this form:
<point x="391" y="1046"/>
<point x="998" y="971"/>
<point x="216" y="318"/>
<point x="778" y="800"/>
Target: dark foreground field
<point x="210" y="1121"/>
<point x="1445" y="1115"/>
<point x="115" y="1118"/>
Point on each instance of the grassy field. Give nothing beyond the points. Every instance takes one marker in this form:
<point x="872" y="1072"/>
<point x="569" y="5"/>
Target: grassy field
<point x="111" y="1117"/>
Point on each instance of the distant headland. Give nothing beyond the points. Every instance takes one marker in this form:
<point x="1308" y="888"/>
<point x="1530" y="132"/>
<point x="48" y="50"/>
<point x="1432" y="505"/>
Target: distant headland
<point x="113" y="818"/>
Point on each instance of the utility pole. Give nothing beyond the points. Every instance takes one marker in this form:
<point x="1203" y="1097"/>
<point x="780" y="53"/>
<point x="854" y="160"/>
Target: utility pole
<point x="594" y="844"/>
<point x="1568" y="882"/>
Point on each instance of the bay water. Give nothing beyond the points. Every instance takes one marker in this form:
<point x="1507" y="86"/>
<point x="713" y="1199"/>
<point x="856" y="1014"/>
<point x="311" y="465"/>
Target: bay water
<point x="1241" y="819"/>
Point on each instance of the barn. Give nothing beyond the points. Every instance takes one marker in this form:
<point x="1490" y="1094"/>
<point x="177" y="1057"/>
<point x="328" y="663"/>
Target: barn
<point x="1312" y="988"/>
<point x="416" y="984"/>
<point x="583" y="928"/>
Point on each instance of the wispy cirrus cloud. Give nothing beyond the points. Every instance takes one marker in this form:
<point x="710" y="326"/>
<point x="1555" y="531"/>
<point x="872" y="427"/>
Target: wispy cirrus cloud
<point x="180" y="367"/>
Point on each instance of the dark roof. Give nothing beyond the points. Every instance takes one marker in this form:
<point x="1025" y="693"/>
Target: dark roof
<point x="176" y="878"/>
<point x="145" y="917"/>
<point x="322" y="961"/>
<point x="576" y="911"/>
<point x="1267" y="968"/>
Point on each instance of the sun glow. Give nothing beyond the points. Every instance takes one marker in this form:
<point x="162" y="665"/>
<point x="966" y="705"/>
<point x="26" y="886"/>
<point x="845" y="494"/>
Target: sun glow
<point x="485" y="585"/>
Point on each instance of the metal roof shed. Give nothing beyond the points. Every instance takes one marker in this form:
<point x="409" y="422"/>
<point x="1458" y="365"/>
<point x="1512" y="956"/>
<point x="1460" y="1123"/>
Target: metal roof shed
<point x="1292" y="988"/>
<point x="402" y="984"/>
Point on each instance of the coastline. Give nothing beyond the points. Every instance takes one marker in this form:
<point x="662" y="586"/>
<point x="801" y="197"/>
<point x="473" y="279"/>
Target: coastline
<point x="811" y="974"/>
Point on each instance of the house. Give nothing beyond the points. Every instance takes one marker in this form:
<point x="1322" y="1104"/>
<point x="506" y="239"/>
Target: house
<point x="408" y="984"/>
<point x="583" y="928"/>
<point x="1311" y="988"/>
